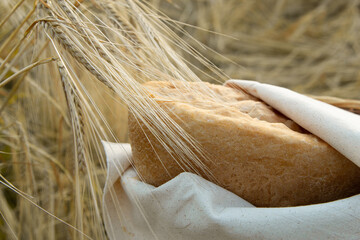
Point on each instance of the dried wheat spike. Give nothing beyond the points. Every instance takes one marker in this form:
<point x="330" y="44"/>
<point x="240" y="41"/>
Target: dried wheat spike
<point x="86" y="35"/>
<point x="54" y="29"/>
<point x="76" y="115"/>
<point x="122" y="26"/>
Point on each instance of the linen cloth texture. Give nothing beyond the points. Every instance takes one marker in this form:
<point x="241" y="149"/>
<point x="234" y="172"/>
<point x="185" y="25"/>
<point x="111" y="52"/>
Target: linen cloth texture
<point x="190" y="207"/>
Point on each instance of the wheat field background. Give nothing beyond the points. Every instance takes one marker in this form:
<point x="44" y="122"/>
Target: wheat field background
<point x="51" y="162"/>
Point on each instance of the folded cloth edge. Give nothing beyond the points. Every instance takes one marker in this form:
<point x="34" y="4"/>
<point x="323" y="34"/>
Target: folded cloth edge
<point x="338" y="127"/>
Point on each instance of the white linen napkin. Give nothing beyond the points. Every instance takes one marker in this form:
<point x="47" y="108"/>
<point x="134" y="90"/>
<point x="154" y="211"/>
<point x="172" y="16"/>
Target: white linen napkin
<point x="190" y="207"/>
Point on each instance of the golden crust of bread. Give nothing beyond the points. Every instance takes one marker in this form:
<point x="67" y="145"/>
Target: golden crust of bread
<point x="255" y="152"/>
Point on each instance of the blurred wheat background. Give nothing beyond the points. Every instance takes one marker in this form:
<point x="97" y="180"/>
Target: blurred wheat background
<point x="309" y="46"/>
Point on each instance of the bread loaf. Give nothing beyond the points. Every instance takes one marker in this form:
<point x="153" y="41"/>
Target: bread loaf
<point x="255" y="152"/>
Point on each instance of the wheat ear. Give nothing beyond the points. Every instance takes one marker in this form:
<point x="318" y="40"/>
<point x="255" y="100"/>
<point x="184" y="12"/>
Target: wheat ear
<point x="121" y="25"/>
<point x="53" y="28"/>
<point x="76" y="115"/>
